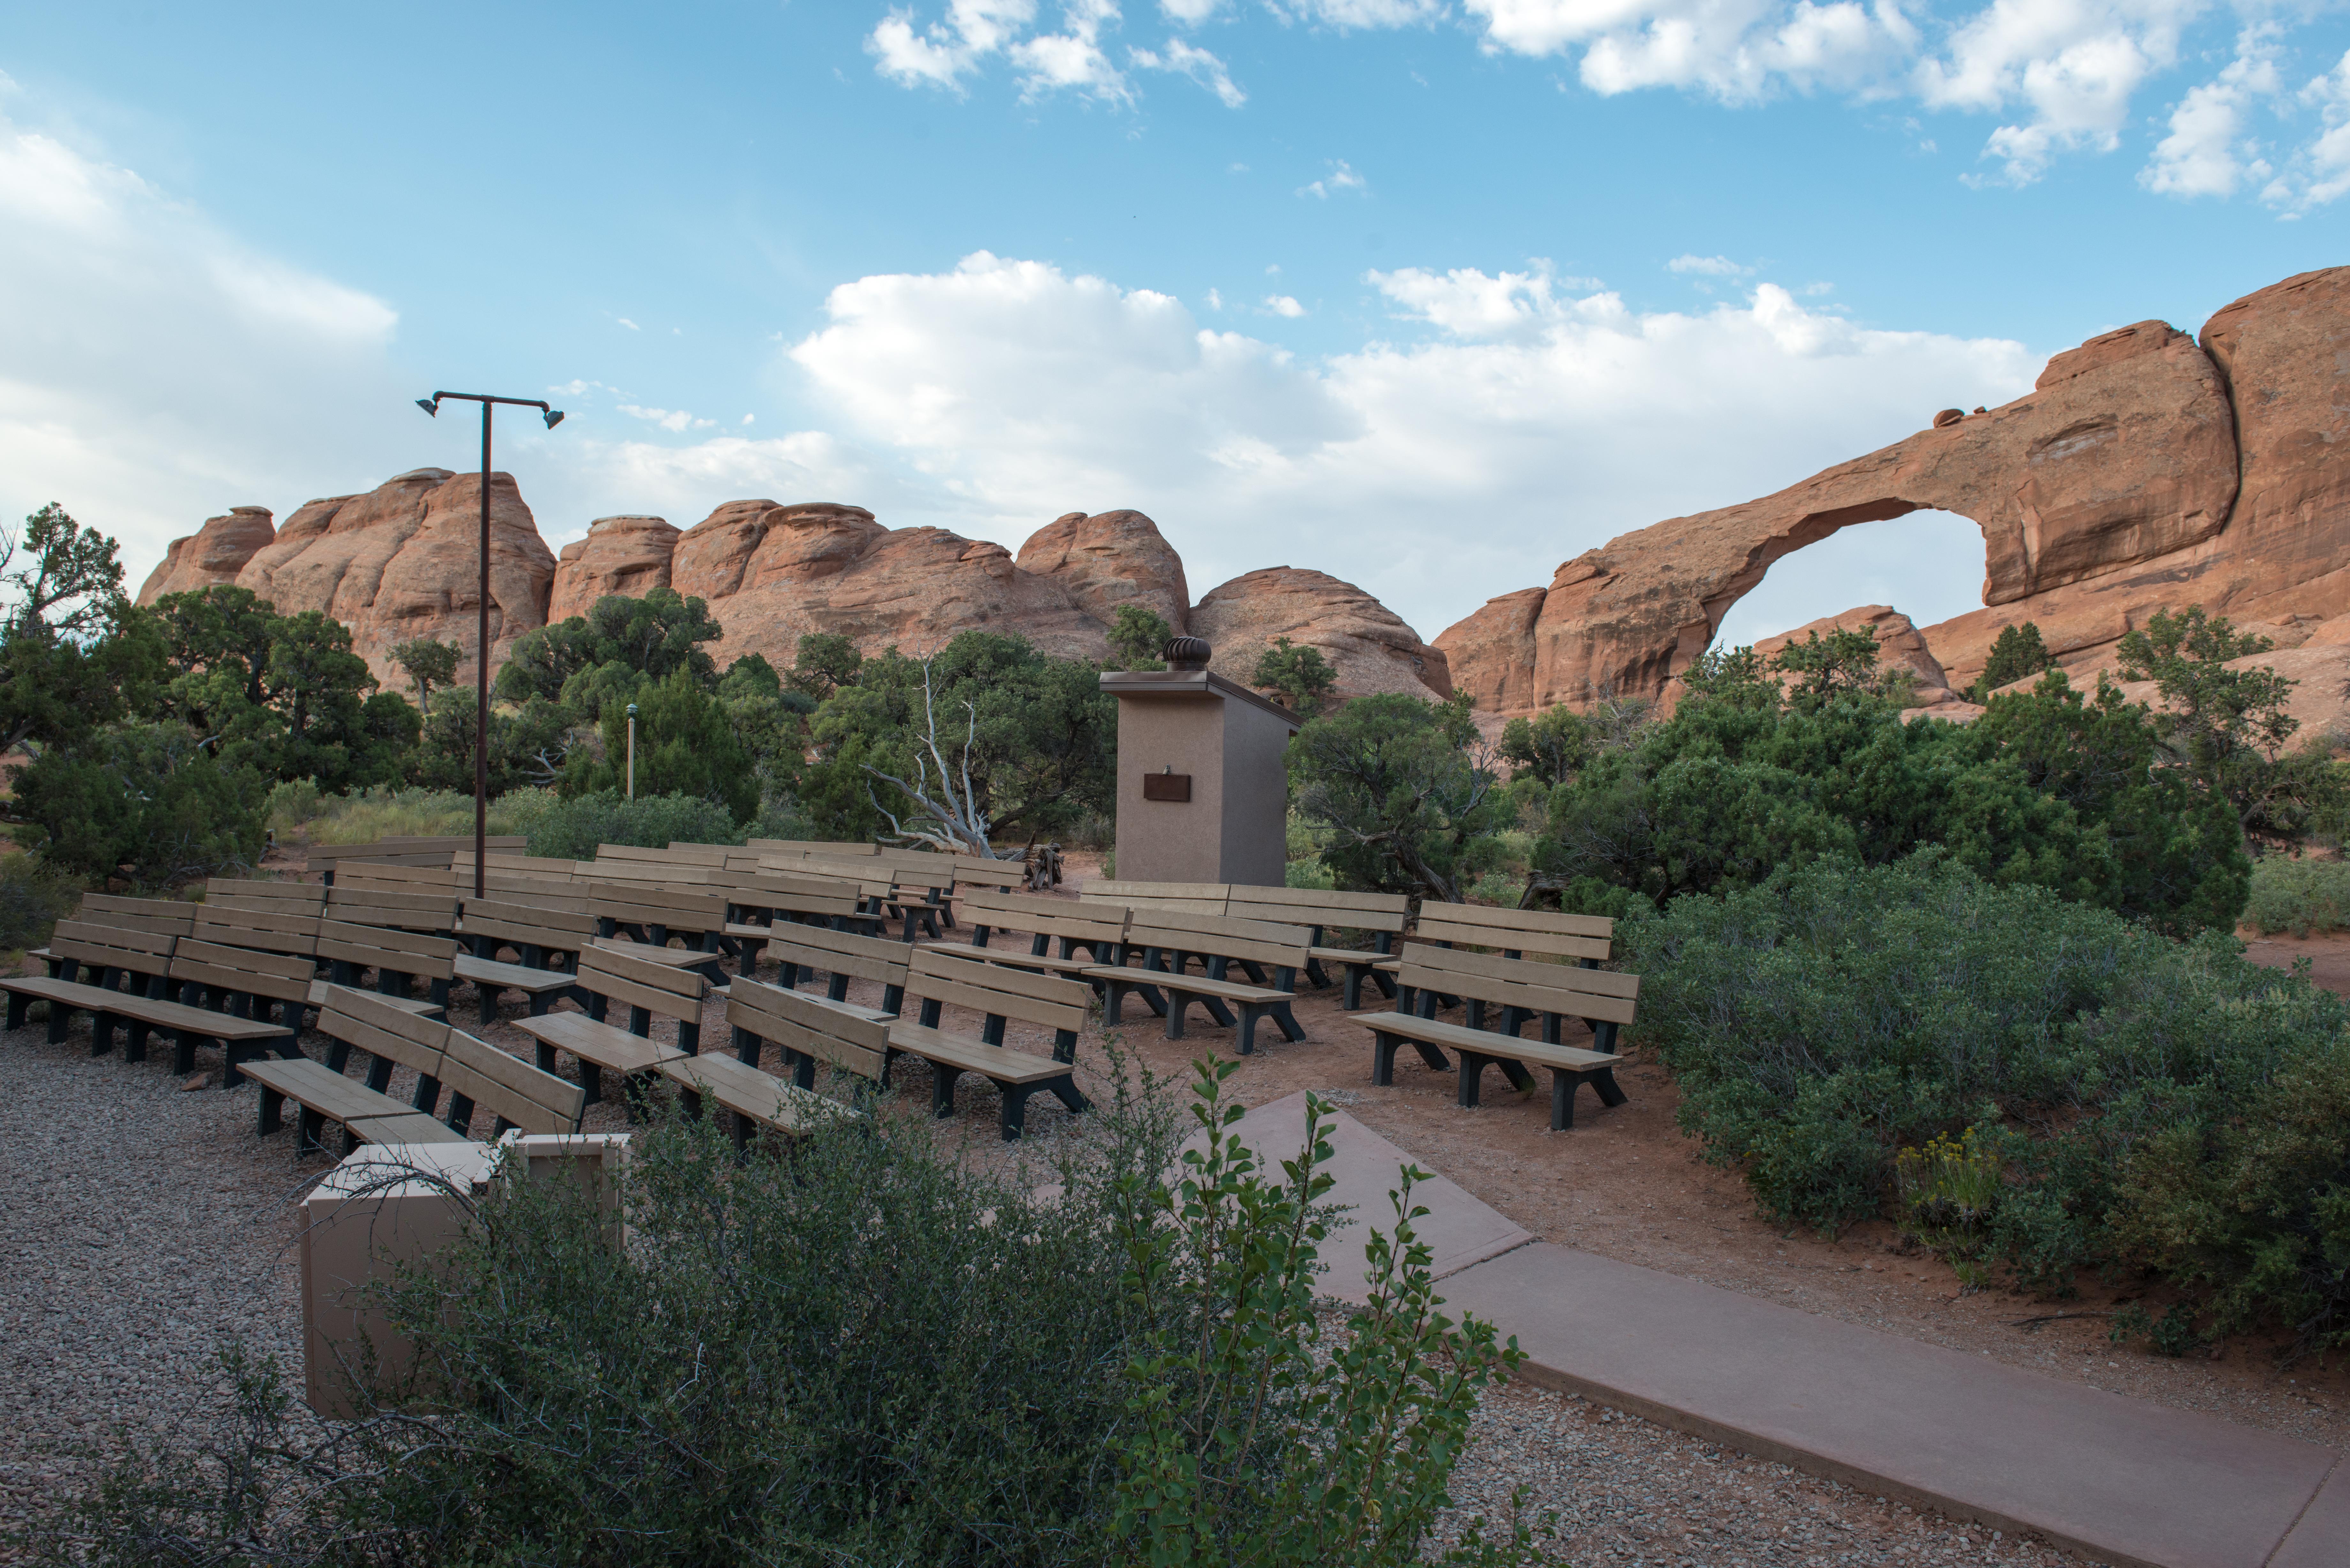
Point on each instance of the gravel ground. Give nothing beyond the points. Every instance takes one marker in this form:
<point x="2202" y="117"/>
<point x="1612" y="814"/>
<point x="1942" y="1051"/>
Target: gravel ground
<point x="124" y="1263"/>
<point x="140" y="1227"/>
<point x="1630" y="1491"/>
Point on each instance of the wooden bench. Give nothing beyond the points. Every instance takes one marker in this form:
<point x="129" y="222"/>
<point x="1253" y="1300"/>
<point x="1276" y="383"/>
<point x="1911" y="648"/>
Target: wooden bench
<point x="1515" y="933"/>
<point x="606" y="976"/>
<point x="1522" y="989"/>
<point x="809" y="950"/>
<point x="808" y="1032"/>
<point x="541" y="938"/>
<point x="651" y="915"/>
<point x="1099" y="929"/>
<point x="481" y="1078"/>
<point x="1163" y="898"/>
<point x="809" y="846"/>
<point x="758" y="900"/>
<point x="936" y="979"/>
<point x="157" y="916"/>
<point x="1382" y="915"/>
<point x="1167" y="940"/>
<point x="400" y="959"/>
<point x="240" y="1037"/>
<point x="275" y="898"/>
<point x="755" y="1098"/>
<point x="247" y="982"/>
<point x="406" y="850"/>
<point x="135" y="958"/>
<point x="433" y="910"/>
<point x="387" y="1036"/>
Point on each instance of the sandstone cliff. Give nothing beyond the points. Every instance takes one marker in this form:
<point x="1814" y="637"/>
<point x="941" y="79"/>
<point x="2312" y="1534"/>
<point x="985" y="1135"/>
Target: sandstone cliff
<point x="2146" y="469"/>
<point x="213" y="554"/>
<point x="403" y="562"/>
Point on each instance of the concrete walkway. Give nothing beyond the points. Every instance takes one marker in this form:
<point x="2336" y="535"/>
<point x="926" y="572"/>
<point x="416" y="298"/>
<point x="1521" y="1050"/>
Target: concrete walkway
<point x="2115" y="1479"/>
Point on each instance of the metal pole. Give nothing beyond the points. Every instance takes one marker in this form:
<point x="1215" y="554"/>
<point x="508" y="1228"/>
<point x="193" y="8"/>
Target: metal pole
<point x="633" y="750"/>
<point x="482" y="682"/>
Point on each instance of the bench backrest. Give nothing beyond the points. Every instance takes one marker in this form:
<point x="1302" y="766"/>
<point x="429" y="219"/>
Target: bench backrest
<point x="287" y="898"/>
<point x="162" y="917"/>
<point x="510" y="1088"/>
<point x="371" y="906"/>
<point x="1174" y="898"/>
<point x="878" y="959"/>
<point x="1517" y="930"/>
<point x="254" y="929"/>
<point x="864" y="878"/>
<point x="417" y="954"/>
<point x="640" y="982"/>
<point x="996" y="991"/>
<point x="697" y="854"/>
<point x="530" y="925"/>
<point x="369" y="1024"/>
<point x="810" y="846"/>
<point x="822" y="895"/>
<point x="652" y="873"/>
<point x="1309" y="906"/>
<point x="803" y="1024"/>
<point x="1046" y="917"/>
<point x="1258" y="941"/>
<point x="398" y="878"/>
<point x="105" y="946"/>
<point x="991" y="874"/>
<point x="284" y="977"/>
<point x="678" y="909"/>
<point x="1601" y="995"/>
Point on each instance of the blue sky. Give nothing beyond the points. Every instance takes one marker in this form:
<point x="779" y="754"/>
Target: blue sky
<point x="1429" y="296"/>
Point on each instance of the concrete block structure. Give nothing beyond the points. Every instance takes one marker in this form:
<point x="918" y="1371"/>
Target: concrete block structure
<point x="1203" y="788"/>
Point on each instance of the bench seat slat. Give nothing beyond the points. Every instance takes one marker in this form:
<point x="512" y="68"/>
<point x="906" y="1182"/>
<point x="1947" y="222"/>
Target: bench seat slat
<point x="1436" y="1031"/>
<point x="604" y="1045"/>
<point x="994" y="1062"/>
<point x="762" y="1096"/>
<point x="197" y="1021"/>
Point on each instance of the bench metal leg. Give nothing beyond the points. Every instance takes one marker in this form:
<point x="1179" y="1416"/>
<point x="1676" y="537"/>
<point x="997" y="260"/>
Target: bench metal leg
<point x="488" y="994"/>
<point x="272" y="1110"/>
<point x="183" y="1059"/>
<point x="101" y="1032"/>
<point x="16" y="1006"/>
<point x="942" y="1088"/>
<point x="1178" y="1003"/>
<point x="1066" y="1091"/>
<point x="1012" y="1108"/>
<point x="309" y="1132"/>
<point x="60" y="1016"/>
<point x="1285" y="1019"/>
<point x="1602" y="1083"/>
<point x="591" y="1078"/>
<point x="135" y="1049"/>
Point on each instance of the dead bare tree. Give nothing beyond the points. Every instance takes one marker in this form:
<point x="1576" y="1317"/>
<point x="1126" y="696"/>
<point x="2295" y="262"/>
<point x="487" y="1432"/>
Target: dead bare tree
<point x="946" y="821"/>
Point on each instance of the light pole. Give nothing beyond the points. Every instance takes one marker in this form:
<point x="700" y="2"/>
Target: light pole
<point x="554" y="417"/>
<point x="633" y="750"/>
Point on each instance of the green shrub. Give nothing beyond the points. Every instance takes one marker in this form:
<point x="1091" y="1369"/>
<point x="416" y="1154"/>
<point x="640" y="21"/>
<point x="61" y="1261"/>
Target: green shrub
<point x="570" y="829"/>
<point x="2300" y="896"/>
<point x="294" y="803"/>
<point x="145" y="803"/>
<point x="2149" y="1103"/>
<point x="1308" y="874"/>
<point x="856" y="1352"/>
<point x="366" y="815"/>
<point x="33" y="897"/>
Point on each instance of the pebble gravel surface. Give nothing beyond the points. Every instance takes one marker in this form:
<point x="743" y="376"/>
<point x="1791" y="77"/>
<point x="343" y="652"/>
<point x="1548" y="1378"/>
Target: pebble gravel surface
<point x="142" y="1224"/>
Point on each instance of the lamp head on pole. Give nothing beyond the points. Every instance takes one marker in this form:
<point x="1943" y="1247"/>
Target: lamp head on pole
<point x="554" y="417"/>
<point x="429" y="405"/>
<point x="632" y="710"/>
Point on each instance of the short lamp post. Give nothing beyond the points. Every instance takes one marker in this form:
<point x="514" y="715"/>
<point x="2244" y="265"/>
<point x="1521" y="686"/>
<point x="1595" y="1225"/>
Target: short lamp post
<point x="553" y="417"/>
<point x="633" y="750"/>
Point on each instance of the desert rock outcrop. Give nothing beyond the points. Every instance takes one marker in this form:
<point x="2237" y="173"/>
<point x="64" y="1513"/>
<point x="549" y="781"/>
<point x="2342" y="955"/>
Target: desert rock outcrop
<point x="620" y="556"/>
<point x="401" y="562"/>
<point x="213" y="554"/>
<point x="2124" y="453"/>
<point x="1109" y="559"/>
<point x="1369" y="644"/>
<point x="1898" y="646"/>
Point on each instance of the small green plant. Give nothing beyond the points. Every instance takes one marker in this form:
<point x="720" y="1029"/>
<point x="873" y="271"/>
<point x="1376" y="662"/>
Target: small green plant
<point x="1257" y="1437"/>
<point x="1949" y="1192"/>
<point x="293" y="804"/>
<point x="1310" y="874"/>
<point x="1497" y="887"/>
<point x="2304" y="895"/>
<point x="2172" y="1334"/>
<point x="571" y="829"/>
<point x="1300" y="674"/>
<point x="33" y="898"/>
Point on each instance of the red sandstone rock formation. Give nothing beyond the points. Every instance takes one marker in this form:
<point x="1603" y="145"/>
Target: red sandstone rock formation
<point x="620" y="556"/>
<point x="213" y="554"/>
<point x="1367" y="643"/>
<point x="1109" y="559"/>
<point x="1898" y="646"/>
<point x="400" y="562"/>
<point x="2143" y="471"/>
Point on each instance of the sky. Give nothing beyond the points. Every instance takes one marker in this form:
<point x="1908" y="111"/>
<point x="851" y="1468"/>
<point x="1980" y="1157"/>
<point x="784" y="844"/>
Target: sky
<point x="1430" y="295"/>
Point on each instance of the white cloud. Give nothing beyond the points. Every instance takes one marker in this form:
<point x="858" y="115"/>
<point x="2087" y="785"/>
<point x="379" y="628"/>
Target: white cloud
<point x="1707" y="266"/>
<point x="2208" y="151"/>
<point x="750" y="419"/>
<point x="673" y="419"/>
<point x="1283" y="304"/>
<point x="1189" y="13"/>
<point x="171" y="371"/>
<point x="2319" y="171"/>
<point x="1198" y="64"/>
<point x="1341" y="178"/>
<point x="942" y="54"/>
<point x="1073" y="58"/>
<point x="1349" y="14"/>
<point x="1215" y="300"/>
<point x="1005" y="392"/>
<point x="629" y="324"/>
